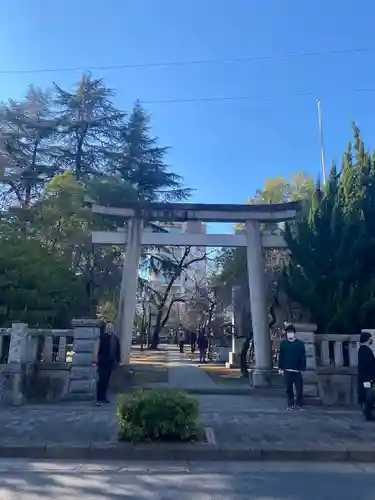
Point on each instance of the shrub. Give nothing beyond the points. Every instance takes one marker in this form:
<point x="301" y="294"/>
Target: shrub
<point x="151" y="414"/>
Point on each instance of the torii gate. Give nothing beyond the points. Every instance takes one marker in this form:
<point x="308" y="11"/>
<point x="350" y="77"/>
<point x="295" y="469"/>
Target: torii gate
<point x="250" y="215"/>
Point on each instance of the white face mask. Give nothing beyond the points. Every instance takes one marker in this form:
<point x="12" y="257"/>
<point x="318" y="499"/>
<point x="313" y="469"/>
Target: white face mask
<point x="291" y="336"/>
<point x="109" y="328"/>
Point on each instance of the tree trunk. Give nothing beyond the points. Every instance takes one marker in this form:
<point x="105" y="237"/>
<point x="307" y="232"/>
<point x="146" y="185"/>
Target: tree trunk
<point x="155" y="334"/>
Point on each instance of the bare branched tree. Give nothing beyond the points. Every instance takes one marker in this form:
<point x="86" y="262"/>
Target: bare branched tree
<point x="172" y="267"/>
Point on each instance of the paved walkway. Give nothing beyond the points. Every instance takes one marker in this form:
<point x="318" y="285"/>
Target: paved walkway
<point x="183" y="373"/>
<point x="236" y="421"/>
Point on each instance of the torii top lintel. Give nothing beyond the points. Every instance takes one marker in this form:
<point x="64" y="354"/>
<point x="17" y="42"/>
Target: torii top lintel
<point x="205" y="212"/>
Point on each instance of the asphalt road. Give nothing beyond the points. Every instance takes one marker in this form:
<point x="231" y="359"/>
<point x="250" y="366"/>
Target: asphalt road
<point x="28" y="480"/>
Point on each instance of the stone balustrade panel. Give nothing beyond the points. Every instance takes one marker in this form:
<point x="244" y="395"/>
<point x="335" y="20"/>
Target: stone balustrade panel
<point x="306" y="333"/>
<point x="44" y="365"/>
<point x="338" y="350"/>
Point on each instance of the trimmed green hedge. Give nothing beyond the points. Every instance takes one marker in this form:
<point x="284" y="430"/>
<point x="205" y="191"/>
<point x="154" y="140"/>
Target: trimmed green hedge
<point x="151" y="414"/>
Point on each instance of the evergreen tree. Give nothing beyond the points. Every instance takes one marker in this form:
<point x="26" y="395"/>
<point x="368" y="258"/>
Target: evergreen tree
<point x="89" y="127"/>
<point x="27" y="133"/>
<point x="139" y="165"/>
<point x="332" y="266"/>
<point x="36" y="286"/>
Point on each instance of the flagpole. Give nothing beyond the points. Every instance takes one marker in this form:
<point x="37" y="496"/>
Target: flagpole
<point x="321" y="141"/>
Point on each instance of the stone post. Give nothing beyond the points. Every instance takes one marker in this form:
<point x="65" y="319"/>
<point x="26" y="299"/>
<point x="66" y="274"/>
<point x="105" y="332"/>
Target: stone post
<point x="235" y="354"/>
<point x="83" y="372"/>
<point x="306" y="333"/>
<point x="18" y="343"/>
<point x="129" y="283"/>
<point x="261" y="375"/>
<point x="12" y="373"/>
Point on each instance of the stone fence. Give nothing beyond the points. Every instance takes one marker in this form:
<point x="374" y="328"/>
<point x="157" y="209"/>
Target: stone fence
<point x="337" y="360"/>
<point x="38" y="365"/>
<point x="332" y="362"/>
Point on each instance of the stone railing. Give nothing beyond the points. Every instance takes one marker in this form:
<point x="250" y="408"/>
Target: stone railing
<point x="337" y="350"/>
<point x="331" y="365"/>
<point x="337" y="360"/>
<point x="53" y="345"/>
<point x="47" y="365"/>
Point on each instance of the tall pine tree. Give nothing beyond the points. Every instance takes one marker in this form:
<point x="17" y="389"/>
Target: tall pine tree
<point x="89" y="127"/>
<point x="27" y="133"/>
<point x="140" y="165"/>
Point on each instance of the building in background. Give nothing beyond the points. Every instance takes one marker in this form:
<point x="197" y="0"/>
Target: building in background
<point x="191" y="279"/>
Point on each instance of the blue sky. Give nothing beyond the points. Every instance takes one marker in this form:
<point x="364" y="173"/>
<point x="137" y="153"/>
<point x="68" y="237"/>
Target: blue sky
<point x="226" y="148"/>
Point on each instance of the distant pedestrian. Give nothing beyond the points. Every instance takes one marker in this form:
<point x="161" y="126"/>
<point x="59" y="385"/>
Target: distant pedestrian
<point x="292" y="362"/>
<point x="366" y="376"/>
<point x="108" y="358"/>
<point x="193" y="341"/>
<point x="202" y="346"/>
<point x="181" y="340"/>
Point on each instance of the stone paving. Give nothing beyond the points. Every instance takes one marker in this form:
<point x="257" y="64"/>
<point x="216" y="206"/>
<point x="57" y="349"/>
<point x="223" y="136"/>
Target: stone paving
<point x="236" y="421"/>
<point x="247" y="421"/>
<point x="186" y="374"/>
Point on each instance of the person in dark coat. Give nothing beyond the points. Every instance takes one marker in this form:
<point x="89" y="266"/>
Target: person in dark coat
<point x="366" y="376"/>
<point x="193" y="341"/>
<point x="202" y="346"/>
<point x="109" y="356"/>
<point x="181" y="337"/>
<point x="292" y="362"/>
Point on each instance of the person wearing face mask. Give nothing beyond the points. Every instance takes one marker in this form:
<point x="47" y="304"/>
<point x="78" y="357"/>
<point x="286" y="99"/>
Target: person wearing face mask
<point x="107" y="358"/>
<point x="292" y="362"/>
<point x="366" y="375"/>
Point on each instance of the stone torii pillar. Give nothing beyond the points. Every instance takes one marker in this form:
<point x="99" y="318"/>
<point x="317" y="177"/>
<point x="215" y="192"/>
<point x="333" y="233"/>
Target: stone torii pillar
<point x="262" y="338"/>
<point x="128" y="291"/>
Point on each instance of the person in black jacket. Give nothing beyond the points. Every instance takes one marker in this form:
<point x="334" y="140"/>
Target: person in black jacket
<point x="193" y="341"/>
<point x="366" y="375"/>
<point x="292" y="362"/>
<point x="108" y="358"/>
<point x="202" y="346"/>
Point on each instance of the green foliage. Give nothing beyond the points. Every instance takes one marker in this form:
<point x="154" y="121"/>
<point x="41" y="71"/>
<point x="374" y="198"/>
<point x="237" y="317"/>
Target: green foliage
<point x="139" y="165"/>
<point x="88" y="127"/>
<point x="231" y="262"/>
<point x="27" y="131"/>
<point x="280" y="190"/>
<point x="332" y="266"/>
<point x="59" y="146"/>
<point x="36" y="286"/>
<point x="166" y="415"/>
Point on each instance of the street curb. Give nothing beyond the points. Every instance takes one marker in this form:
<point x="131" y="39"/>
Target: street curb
<point x="201" y="452"/>
<point x="249" y="391"/>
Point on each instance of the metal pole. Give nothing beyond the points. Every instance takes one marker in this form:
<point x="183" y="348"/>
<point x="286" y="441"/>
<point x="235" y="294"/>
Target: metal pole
<point x="321" y="141"/>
